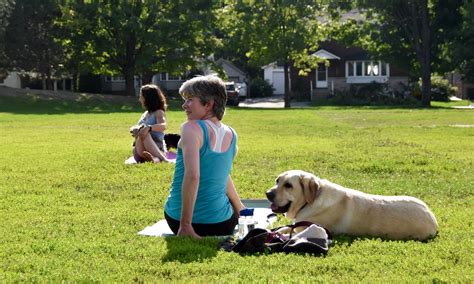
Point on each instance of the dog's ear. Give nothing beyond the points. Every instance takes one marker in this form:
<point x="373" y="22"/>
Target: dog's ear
<point x="310" y="187"/>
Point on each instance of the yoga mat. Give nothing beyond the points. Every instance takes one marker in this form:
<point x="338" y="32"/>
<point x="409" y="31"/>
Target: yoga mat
<point x="170" y="155"/>
<point x="261" y="212"/>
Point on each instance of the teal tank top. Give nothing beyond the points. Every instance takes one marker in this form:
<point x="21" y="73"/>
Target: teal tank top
<point x="212" y="205"/>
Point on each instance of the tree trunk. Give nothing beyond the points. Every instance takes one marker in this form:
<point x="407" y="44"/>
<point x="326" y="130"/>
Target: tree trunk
<point x="49" y="81"/>
<point x="129" y="82"/>
<point x="129" y="68"/>
<point x="426" y="57"/>
<point x="287" y="86"/>
<point x="147" y="78"/>
<point x="75" y="82"/>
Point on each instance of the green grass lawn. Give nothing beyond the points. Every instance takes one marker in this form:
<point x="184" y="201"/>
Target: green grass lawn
<point x="71" y="209"/>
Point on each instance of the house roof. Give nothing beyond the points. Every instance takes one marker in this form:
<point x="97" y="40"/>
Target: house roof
<point x="325" y="54"/>
<point x="274" y="65"/>
<point x="222" y="61"/>
<point x="344" y="52"/>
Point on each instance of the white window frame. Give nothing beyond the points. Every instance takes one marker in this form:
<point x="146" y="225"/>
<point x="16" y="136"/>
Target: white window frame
<point x="168" y="77"/>
<point x="365" y="79"/>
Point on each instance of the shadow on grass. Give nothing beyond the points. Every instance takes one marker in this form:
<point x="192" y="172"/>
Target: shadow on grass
<point x="186" y="249"/>
<point x="409" y="104"/>
<point x="31" y="103"/>
<point x="347" y="240"/>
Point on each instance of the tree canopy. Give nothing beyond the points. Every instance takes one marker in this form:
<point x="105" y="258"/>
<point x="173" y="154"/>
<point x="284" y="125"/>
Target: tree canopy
<point x="413" y="33"/>
<point x="132" y="37"/>
<point x="279" y="31"/>
<point x="461" y="48"/>
<point x="5" y="11"/>
<point x="31" y="34"/>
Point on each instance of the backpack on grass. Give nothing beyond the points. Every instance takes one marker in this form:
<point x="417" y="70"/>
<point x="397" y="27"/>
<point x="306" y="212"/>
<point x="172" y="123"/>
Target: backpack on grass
<point x="314" y="240"/>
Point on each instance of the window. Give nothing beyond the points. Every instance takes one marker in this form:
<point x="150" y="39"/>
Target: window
<point x="358" y="68"/>
<point x="168" y="77"/>
<point x="384" y="69"/>
<point x="360" y="72"/>
<point x="350" y="68"/>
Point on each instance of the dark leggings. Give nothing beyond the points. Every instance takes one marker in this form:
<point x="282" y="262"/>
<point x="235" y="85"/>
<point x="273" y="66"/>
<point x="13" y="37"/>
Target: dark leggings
<point x="217" y="229"/>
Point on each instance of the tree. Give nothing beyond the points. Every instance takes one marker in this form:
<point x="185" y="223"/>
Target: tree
<point x="412" y="32"/>
<point x="31" y="34"/>
<point x="281" y="31"/>
<point x="461" y="48"/>
<point x="131" y="37"/>
<point x="5" y="11"/>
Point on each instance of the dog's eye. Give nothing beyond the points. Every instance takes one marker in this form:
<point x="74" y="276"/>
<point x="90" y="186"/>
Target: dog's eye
<point x="287" y="185"/>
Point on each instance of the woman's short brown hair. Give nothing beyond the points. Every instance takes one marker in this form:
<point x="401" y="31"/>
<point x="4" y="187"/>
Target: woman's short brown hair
<point x="206" y="88"/>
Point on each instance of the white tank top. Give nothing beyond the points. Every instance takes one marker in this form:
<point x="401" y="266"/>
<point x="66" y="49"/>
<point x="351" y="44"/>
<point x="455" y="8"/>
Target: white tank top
<point x="219" y="133"/>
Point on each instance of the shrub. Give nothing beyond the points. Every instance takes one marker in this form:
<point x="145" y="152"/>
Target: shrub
<point x="260" y="88"/>
<point x="441" y="90"/>
<point x="374" y="94"/>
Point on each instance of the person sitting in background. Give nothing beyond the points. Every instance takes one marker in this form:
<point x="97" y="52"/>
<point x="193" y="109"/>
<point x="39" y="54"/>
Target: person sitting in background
<point x="149" y="131"/>
<point x="203" y="200"/>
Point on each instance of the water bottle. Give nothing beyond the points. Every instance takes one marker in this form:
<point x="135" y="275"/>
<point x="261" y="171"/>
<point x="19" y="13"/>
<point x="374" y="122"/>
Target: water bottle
<point x="242" y="227"/>
<point x="250" y="220"/>
<point x="246" y="222"/>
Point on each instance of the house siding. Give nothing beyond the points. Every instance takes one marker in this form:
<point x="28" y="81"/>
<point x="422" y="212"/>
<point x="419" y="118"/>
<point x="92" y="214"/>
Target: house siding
<point x="167" y="85"/>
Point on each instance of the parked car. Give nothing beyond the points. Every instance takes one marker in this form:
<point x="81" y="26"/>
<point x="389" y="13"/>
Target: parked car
<point x="242" y="89"/>
<point x="232" y="94"/>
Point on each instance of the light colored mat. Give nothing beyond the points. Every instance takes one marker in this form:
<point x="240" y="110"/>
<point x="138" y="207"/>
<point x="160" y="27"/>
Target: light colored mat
<point x="261" y="213"/>
<point x="170" y="155"/>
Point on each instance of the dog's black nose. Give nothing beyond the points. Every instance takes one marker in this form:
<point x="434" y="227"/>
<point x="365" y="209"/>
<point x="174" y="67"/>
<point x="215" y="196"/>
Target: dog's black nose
<point x="270" y="195"/>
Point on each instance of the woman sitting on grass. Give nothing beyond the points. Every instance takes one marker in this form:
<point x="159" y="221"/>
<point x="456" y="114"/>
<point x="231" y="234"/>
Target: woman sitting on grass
<point x="149" y="131"/>
<point x="203" y="200"/>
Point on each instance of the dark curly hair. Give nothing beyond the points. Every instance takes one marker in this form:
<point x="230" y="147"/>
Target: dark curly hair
<point x="153" y="98"/>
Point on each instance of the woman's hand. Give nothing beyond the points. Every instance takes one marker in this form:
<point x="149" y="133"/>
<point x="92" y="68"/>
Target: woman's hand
<point x="134" y="130"/>
<point x="187" y="230"/>
<point x="144" y="130"/>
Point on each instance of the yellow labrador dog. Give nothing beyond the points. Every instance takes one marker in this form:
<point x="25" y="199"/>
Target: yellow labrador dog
<point x="305" y="197"/>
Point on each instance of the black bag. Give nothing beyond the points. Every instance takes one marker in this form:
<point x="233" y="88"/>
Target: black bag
<point x="262" y="240"/>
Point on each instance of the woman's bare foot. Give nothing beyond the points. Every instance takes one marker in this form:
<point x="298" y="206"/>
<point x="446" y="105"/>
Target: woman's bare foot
<point x="149" y="157"/>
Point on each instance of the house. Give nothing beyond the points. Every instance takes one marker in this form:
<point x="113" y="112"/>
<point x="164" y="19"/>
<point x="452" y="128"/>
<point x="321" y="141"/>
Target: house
<point x="172" y="82"/>
<point x="12" y="80"/>
<point x="167" y="81"/>
<point x="464" y="88"/>
<point x="234" y="74"/>
<point x="346" y="66"/>
<point x="32" y="80"/>
<point x="116" y="84"/>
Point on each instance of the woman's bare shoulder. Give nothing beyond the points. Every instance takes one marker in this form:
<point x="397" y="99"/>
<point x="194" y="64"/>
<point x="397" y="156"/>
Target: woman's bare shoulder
<point x="160" y="113"/>
<point x="190" y="125"/>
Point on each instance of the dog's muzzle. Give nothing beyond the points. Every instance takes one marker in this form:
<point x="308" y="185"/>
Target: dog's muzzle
<point x="275" y="208"/>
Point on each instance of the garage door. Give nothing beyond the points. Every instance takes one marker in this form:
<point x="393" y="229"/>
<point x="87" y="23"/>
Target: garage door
<point x="278" y="82"/>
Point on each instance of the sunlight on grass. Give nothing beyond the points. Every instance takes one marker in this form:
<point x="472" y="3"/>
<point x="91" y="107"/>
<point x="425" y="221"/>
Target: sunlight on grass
<point x="71" y="209"/>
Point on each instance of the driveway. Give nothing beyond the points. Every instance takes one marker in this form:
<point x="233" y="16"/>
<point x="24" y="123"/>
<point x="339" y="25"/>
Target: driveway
<point x="270" y="102"/>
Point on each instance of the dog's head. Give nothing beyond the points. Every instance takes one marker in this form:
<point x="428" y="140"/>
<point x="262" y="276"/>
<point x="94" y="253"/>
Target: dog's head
<point x="292" y="191"/>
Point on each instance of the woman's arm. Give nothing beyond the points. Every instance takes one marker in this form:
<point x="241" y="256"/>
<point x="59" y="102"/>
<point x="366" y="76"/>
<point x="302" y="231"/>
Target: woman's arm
<point x="160" y="121"/>
<point x="233" y="197"/>
<point x="159" y="126"/>
<point x="191" y="141"/>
